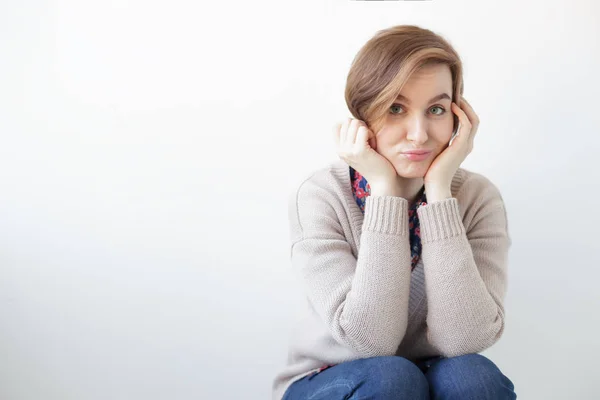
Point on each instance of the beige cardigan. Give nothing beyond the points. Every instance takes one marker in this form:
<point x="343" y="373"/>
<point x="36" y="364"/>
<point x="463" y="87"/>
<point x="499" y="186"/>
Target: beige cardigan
<point x="355" y="269"/>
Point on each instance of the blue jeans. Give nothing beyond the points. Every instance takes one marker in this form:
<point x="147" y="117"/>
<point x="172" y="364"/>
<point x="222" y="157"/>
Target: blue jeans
<point x="467" y="377"/>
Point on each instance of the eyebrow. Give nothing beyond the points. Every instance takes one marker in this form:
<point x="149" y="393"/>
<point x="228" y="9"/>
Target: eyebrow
<point x="436" y="98"/>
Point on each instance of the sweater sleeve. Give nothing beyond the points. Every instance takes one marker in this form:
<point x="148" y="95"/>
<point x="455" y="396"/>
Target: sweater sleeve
<point x="465" y="270"/>
<point x="363" y="300"/>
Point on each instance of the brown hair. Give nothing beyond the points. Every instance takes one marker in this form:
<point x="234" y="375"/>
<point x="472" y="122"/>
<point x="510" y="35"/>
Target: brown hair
<point x="386" y="62"/>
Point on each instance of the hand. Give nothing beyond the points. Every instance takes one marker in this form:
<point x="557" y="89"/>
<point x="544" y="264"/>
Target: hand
<point x="356" y="144"/>
<point x="439" y="175"/>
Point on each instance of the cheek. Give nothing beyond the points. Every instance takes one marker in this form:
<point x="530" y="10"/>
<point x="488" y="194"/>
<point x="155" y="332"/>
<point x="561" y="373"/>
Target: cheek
<point x="443" y="136"/>
<point x="384" y="142"/>
<point x="440" y="148"/>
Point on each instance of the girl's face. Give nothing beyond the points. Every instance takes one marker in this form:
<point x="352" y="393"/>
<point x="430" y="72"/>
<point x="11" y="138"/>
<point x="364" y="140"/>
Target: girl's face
<point x="420" y="119"/>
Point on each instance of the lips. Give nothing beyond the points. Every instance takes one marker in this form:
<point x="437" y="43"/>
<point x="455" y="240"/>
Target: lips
<point x="419" y="152"/>
<point x="417" y="157"/>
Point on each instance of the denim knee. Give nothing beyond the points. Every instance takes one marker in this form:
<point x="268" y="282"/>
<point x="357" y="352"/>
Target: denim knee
<point x="471" y="376"/>
<point x="382" y="378"/>
<point x="394" y="377"/>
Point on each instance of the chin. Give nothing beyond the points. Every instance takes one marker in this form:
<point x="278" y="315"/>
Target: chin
<point x="412" y="170"/>
<point x="411" y="173"/>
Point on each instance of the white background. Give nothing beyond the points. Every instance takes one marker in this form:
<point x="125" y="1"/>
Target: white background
<point x="148" y="149"/>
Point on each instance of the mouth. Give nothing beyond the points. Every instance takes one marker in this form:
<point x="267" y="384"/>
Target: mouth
<point x="416" y="151"/>
<point x="417" y="156"/>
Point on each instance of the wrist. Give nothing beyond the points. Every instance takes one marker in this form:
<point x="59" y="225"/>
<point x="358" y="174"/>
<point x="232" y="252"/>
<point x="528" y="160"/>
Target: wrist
<point x="384" y="189"/>
<point x="437" y="193"/>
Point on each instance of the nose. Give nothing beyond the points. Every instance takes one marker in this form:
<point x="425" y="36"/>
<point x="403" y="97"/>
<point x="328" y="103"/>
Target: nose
<point x="417" y="131"/>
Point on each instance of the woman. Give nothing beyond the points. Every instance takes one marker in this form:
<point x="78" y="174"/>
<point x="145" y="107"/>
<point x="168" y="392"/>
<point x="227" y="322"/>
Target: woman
<point x="403" y="257"/>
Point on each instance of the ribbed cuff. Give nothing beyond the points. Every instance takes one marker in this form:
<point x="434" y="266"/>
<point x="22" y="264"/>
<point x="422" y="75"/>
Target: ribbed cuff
<point x="386" y="214"/>
<point x="440" y="220"/>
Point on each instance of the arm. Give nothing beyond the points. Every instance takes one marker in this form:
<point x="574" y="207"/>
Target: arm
<point x="465" y="271"/>
<point x="363" y="300"/>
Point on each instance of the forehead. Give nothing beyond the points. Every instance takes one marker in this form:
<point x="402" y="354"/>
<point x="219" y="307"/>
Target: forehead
<point x="427" y="82"/>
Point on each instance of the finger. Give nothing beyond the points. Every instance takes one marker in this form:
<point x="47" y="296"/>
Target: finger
<point x="336" y="132"/>
<point x="474" y="119"/>
<point x="455" y="137"/>
<point x="362" y="137"/>
<point x="371" y="139"/>
<point x="471" y="114"/>
<point x="362" y="126"/>
<point x="461" y="134"/>
<point x="462" y="118"/>
<point x="466" y="133"/>
<point x="343" y="130"/>
<point x="352" y="130"/>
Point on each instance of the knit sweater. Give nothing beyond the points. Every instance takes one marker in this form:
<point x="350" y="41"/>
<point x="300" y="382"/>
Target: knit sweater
<point x="363" y="299"/>
<point x="361" y="190"/>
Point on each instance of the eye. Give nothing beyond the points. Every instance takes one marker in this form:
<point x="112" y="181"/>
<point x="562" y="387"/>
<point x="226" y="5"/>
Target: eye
<point x="441" y="108"/>
<point x="395" y="105"/>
